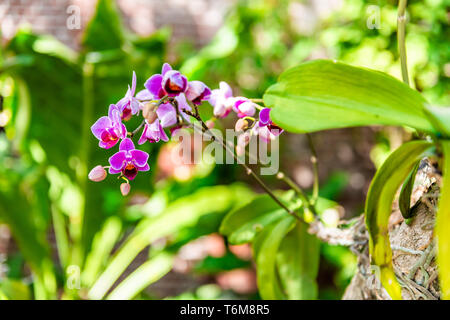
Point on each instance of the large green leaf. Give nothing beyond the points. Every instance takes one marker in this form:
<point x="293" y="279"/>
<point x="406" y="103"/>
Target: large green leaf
<point x="265" y="248"/>
<point x="379" y="200"/>
<point x="442" y="225"/>
<point x="298" y="263"/>
<point x="322" y="94"/>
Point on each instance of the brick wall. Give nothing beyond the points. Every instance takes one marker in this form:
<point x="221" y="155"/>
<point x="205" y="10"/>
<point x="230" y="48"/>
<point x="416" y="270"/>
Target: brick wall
<point x="197" y="20"/>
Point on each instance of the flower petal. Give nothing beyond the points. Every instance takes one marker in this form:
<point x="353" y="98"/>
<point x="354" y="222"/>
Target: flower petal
<point x="133" y="85"/>
<point x="154" y="85"/>
<point x="126" y="145"/>
<point x="166" y="67"/>
<point x="167" y="115"/>
<point x="264" y="116"/>
<point x="117" y="160"/>
<point x="146" y="167"/>
<point x="114" y="171"/>
<point x="144" y="95"/>
<point x="140" y="157"/>
<point x="143" y="138"/>
<point x="99" y="126"/>
<point x="225" y="89"/>
<point x="163" y="134"/>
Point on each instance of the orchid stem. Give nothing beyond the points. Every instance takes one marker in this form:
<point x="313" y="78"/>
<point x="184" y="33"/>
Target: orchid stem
<point x="298" y="190"/>
<point x="401" y="30"/>
<point x="136" y="131"/>
<point x="315" y="193"/>
<point x="247" y="168"/>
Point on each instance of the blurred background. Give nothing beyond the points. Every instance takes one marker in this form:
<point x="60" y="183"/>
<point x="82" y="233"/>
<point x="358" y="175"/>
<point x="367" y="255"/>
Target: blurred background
<point x="63" y="62"/>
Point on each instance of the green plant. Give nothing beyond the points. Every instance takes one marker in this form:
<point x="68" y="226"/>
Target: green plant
<point x="322" y="95"/>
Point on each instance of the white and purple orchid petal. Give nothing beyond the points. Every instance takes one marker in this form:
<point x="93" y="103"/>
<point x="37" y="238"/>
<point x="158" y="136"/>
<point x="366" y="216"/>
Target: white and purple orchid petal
<point x="146" y="167"/>
<point x="197" y="91"/>
<point x="135" y="106"/>
<point x="162" y="134"/>
<point x="154" y="86"/>
<point x="225" y="89"/>
<point x="167" y="115"/>
<point x="174" y="83"/>
<point x="99" y="126"/>
<point x="140" y="157"/>
<point x="215" y="97"/>
<point x="126" y="145"/>
<point x="264" y="116"/>
<point x="118" y="160"/>
<point x="245" y="109"/>
<point x="183" y="105"/>
<point x="143" y="138"/>
<point x="114" y="171"/>
<point x="114" y="114"/>
<point x="133" y="85"/>
<point x="144" y="95"/>
<point x="166" y="67"/>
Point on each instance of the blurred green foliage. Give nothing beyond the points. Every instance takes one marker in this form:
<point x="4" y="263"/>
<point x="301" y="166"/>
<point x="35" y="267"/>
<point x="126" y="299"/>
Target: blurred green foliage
<point x="52" y="95"/>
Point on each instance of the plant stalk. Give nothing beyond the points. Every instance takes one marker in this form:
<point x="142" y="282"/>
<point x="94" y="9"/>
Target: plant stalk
<point x="401" y="31"/>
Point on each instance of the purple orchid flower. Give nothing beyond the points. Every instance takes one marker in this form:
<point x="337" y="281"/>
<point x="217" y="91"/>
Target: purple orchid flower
<point x="129" y="105"/>
<point x="222" y="100"/>
<point x="128" y="161"/>
<point x="244" y="107"/>
<point x="153" y="132"/>
<point x="169" y="82"/>
<point x="265" y="128"/>
<point x="109" y="130"/>
<point x="197" y="92"/>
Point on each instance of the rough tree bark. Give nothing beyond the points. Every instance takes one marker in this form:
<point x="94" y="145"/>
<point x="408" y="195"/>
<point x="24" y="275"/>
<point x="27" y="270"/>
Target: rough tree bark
<point x="412" y="245"/>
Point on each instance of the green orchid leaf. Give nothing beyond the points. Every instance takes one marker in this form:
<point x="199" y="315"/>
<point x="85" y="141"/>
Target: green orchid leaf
<point x="265" y="249"/>
<point x="148" y="273"/>
<point x="322" y="94"/>
<point x="442" y="223"/>
<point x="298" y="263"/>
<point x="440" y="118"/>
<point x="182" y="213"/>
<point x="379" y="200"/>
<point x="404" y="201"/>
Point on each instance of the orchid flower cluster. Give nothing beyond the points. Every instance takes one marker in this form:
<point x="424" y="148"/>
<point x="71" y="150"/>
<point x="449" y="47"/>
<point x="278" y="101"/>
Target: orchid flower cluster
<point x="169" y="101"/>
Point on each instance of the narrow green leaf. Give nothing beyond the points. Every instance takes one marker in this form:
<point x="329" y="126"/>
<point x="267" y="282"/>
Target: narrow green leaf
<point x="142" y="277"/>
<point x="298" y="263"/>
<point x="265" y="248"/>
<point x="183" y="213"/>
<point x="322" y="94"/>
<point x="14" y="290"/>
<point x="102" y="246"/>
<point x="404" y="200"/>
<point x="442" y="225"/>
<point x="379" y="200"/>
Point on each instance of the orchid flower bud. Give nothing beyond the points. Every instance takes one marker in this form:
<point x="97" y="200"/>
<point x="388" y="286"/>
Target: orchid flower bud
<point x="210" y="124"/>
<point x="242" y="141"/>
<point x="97" y="174"/>
<point x="149" y="112"/>
<point x="241" y="125"/>
<point x="125" y="188"/>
